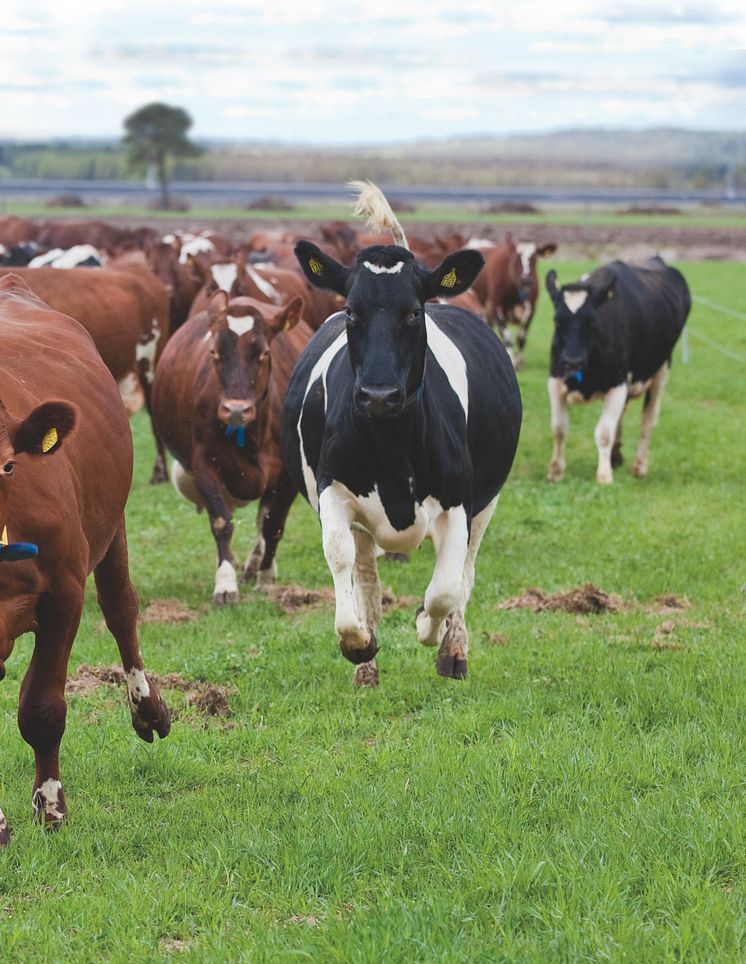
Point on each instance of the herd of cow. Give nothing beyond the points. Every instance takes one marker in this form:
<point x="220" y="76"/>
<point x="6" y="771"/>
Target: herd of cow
<point x="355" y="371"/>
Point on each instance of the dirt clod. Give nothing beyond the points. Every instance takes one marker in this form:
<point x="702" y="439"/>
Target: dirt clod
<point x="168" y="611"/>
<point x="582" y="601"/>
<point x="661" y="636"/>
<point x="204" y="697"/>
<point x="213" y="701"/>
<point x="291" y="598"/>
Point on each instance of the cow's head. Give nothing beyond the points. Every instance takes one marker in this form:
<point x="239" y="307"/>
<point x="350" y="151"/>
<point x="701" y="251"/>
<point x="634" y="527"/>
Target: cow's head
<point x="575" y="314"/>
<point x="40" y="433"/>
<point x="385" y="291"/>
<point x="529" y="252"/>
<point x="241" y="331"/>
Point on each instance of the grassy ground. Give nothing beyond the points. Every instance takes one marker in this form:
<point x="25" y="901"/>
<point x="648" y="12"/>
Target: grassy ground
<point x="456" y="213"/>
<point x="580" y="797"/>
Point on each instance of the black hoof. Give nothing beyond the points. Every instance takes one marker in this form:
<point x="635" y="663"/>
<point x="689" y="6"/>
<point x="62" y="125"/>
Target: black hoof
<point x="358" y="656"/>
<point x="450" y="666"/>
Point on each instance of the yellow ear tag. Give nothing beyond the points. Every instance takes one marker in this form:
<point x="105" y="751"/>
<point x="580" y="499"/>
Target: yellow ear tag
<point x="4" y="537"/>
<point x="449" y="280"/>
<point x="50" y="440"/>
<point x="316" y="266"/>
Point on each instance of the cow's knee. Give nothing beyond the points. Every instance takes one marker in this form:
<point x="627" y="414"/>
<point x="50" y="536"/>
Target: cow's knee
<point x="42" y="721"/>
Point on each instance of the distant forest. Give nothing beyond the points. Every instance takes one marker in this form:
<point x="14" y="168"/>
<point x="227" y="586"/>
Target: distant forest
<point x="661" y="158"/>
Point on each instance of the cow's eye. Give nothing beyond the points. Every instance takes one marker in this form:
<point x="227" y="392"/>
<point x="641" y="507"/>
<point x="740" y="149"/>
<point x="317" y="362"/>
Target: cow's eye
<point x="414" y="316"/>
<point x="8" y="467"/>
<point x="215" y="353"/>
<point x="350" y="314"/>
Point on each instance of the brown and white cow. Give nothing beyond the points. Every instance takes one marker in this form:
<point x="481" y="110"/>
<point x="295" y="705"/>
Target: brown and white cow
<point x="125" y="310"/>
<point x="508" y="287"/>
<point x="65" y="471"/>
<point x="217" y="404"/>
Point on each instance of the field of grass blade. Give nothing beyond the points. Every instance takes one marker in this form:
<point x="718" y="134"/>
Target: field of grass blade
<point x="582" y="795"/>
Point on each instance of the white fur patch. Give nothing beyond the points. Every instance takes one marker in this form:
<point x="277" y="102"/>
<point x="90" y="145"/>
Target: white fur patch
<point x="379" y="269"/>
<point x="75" y="255"/>
<point x="147" y="352"/>
<point x="575" y="299"/>
<point x="183" y="481"/>
<point x="224" y="275"/>
<point x="225" y="579"/>
<point x="48" y="797"/>
<point x="263" y="285"/>
<point x="240" y="325"/>
<point x="194" y="245"/>
<point x="137" y="685"/>
<point x="131" y="393"/>
<point x="43" y="260"/>
<point x="450" y="360"/>
<point x="526" y="250"/>
<point x="319" y="370"/>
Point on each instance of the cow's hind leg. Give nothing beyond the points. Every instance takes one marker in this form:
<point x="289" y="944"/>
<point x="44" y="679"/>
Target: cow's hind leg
<point x="367" y="591"/>
<point x="560" y="426"/>
<point x="453" y="652"/>
<point x="42" y="709"/>
<point x="119" y="604"/>
<point x="260" y="566"/>
<point x="650" y="411"/>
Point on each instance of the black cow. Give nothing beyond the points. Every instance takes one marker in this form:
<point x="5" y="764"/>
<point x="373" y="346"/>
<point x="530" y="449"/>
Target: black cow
<point x="401" y="422"/>
<point x="614" y="333"/>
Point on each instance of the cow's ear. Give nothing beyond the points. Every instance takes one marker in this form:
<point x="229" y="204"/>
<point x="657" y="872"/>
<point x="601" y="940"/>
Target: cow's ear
<point x="287" y="317"/>
<point x="545" y="250"/>
<point x="551" y="282"/>
<point x="600" y="296"/>
<point x="42" y="431"/>
<point x="453" y="275"/>
<point x="321" y="269"/>
<point x="217" y="308"/>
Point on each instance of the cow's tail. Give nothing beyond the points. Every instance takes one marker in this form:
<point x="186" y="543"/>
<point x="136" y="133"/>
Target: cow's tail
<point x="372" y="203"/>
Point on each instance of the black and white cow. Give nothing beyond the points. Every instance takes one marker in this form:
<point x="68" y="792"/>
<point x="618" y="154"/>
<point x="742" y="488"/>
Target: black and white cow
<point x="614" y="333"/>
<point x="401" y="422"/>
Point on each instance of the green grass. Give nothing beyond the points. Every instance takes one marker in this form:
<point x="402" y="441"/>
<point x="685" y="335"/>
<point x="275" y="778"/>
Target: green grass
<point x="580" y="797"/>
<point x="429" y="213"/>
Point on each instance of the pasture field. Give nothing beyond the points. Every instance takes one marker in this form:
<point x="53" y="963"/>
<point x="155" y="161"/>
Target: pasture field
<point x="581" y="796"/>
<point x="600" y="215"/>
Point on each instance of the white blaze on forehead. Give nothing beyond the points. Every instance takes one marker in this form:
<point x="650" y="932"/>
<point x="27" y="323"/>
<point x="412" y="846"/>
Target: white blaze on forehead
<point x="450" y="360"/>
<point x="379" y="269"/>
<point x="194" y="246"/>
<point x="137" y="685"/>
<point x="526" y="250"/>
<point x="240" y="325"/>
<point x="575" y="299"/>
<point x="224" y="275"/>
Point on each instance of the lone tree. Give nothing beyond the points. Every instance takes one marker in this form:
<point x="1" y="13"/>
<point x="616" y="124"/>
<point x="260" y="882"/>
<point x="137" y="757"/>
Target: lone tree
<point x="153" y="134"/>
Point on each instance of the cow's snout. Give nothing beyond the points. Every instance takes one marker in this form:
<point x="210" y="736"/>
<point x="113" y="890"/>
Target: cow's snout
<point x="572" y="364"/>
<point x="236" y="411"/>
<point x="379" y="400"/>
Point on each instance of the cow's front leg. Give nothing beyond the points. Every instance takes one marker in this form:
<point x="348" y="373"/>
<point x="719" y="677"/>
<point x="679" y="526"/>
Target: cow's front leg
<point x="560" y="425"/>
<point x="650" y="411"/>
<point x="367" y="589"/>
<point x="450" y="535"/>
<point x="357" y="642"/>
<point x="605" y="434"/>
<point x="42" y="709"/>
<point x="210" y="489"/>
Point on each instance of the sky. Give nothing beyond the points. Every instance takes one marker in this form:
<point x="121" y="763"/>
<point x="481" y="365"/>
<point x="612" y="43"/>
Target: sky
<point x="339" y="72"/>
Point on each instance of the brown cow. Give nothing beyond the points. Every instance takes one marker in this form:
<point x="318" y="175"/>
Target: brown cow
<point x="102" y="235"/>
<point x="125" y="310"/>
<point x="508" y="287"/>
<point x="65" y="471"/>
<point x="14" y="230"/>
<point x="217" y="404"/>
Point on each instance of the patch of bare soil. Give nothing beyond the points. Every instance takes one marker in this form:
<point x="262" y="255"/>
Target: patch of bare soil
<point x="291" y="598"/>
<point x="662" y="636"/>
<point x="495" y="639"/>
<point x="168" y="611"/>
<point x="390" y="601"/>
<point x="204" y="697"/>
<point x="582" y="601"/>
<point x="667" y="604"/>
